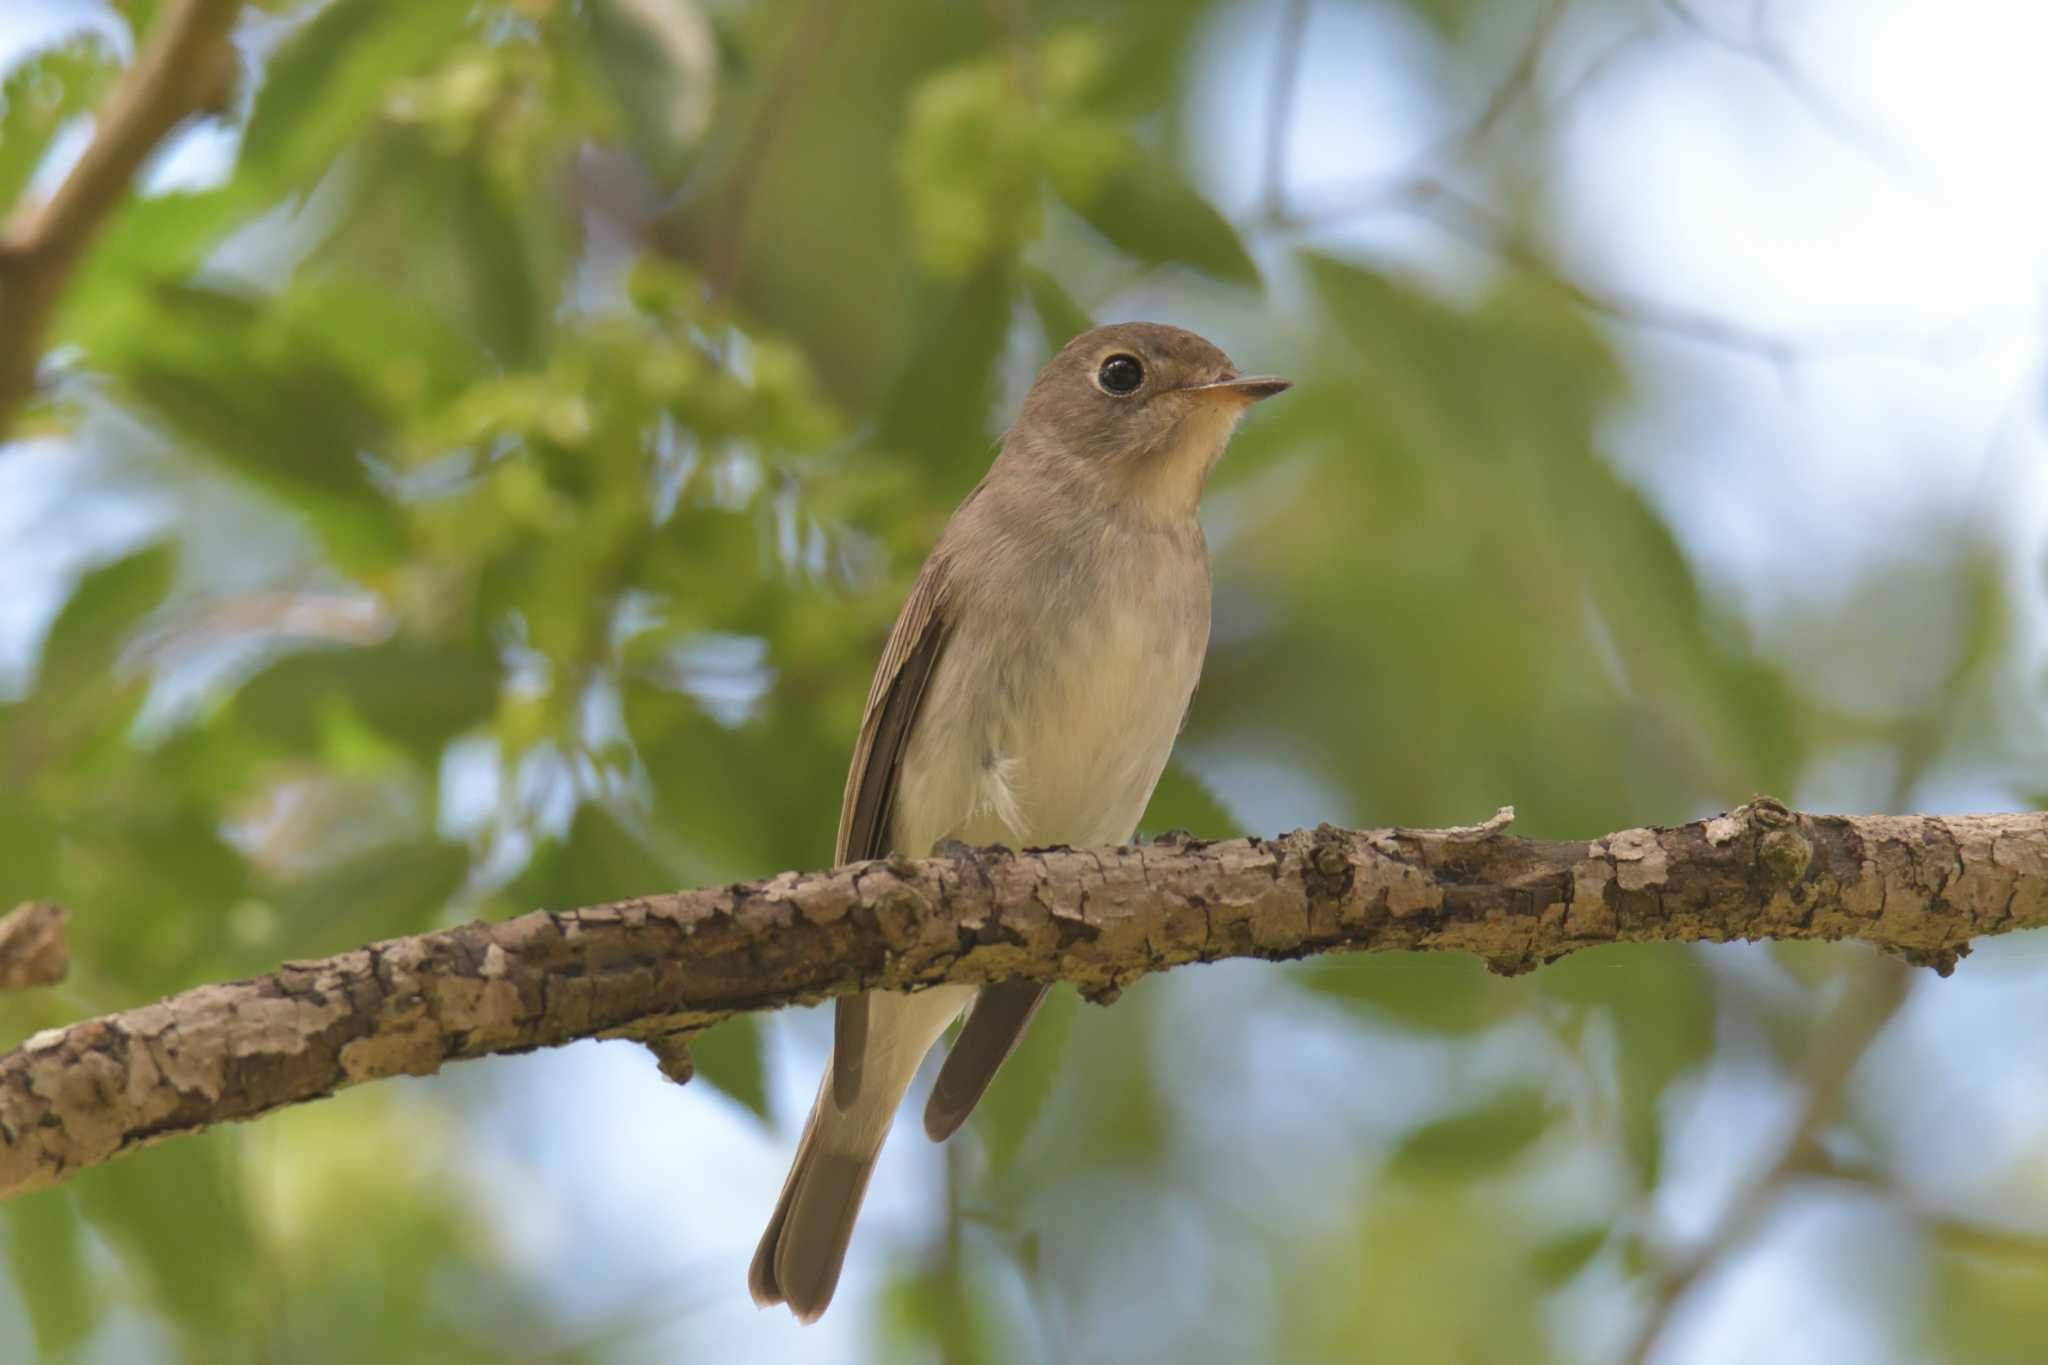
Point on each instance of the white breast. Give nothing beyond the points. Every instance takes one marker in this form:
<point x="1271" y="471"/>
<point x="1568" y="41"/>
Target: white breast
<point x="1091" y="745"/>
<point x="1028" y="746"/>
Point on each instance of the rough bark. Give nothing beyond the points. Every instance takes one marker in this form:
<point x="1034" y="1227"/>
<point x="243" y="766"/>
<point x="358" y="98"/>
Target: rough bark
<point x="660" y="967"/>
<point x="32" y="947"/>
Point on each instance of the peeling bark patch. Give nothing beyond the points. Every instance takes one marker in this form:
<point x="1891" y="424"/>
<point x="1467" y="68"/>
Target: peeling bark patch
<point x="658" y="968"/>
<point x="1639" y="859"/>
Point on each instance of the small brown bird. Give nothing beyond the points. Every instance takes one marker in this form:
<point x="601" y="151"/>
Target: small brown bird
<point x="1029" y="695"/>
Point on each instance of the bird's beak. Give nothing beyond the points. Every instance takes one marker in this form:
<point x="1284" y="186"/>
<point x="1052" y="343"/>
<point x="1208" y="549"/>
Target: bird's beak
<point x="1245" y="391"/>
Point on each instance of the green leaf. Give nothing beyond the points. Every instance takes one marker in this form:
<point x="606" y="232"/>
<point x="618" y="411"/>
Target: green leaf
<point x="1478" y="1141"/>
<point x="659" y="61"/>
<point x="40" y="96"/>
<point x="1059" y="317"/>
<point x="602" y="859"/>
<point x="241" y="377"/>
<point x="30" y="839"/>
<point x="1987" y="1285"/>
<point x="85" y="641"/>
<point x="1663" y="1019"/>
<point x="728" y="1055"/>
<point x="1183" y="801"/>
<point x="150" y="241"/>
<point x="420" y="696"/>
<point x="1557" y="1259"/>
<point x="1019" y="1093"/>
<point x="938" y="407"/>
<point x="140" y="14"/>
<point x="46" y="1262"/>
<point x="500" y="265"/>
<point x="411" y="357"/>
<point x="398" y="888"/>
<point x="1429" y="992"/>
<point x="1148" y="210"/>
<point x="328" y="80"/>
<point x="177" y="1217"/>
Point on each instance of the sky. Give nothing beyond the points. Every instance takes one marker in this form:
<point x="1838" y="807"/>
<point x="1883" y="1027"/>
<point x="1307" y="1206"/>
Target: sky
<point x="1860" y="178"/>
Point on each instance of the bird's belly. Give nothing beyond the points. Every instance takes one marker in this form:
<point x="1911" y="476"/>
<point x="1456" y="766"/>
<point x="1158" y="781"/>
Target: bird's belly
<point x="1068" y="745"/>
<point x="1087" y="762"/>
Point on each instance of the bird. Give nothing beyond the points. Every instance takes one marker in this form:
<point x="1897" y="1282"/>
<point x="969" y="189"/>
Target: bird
<point x="1029" y="695"/>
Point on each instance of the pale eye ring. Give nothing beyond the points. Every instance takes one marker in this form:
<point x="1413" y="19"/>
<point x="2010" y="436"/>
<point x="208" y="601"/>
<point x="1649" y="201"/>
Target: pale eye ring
<point x="1120" y="375"/>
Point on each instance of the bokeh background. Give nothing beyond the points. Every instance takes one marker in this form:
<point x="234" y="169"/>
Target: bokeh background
<point x="478" y="473"/>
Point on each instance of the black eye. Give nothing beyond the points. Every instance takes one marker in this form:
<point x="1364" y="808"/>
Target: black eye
<point x="1120" y="374"/>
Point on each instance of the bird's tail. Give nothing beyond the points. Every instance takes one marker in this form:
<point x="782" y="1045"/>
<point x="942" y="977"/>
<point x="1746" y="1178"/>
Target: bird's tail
<point x="801" y="1253"/>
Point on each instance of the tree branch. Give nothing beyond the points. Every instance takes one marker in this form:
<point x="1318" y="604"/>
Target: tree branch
<point x="185" y="68"/>
<point x="1280" y="100"/>
<point x="813" y="35"/>
<point x="1872" y="997"/>
<point x="32" y="947"/>
<point x="658" y="968"/>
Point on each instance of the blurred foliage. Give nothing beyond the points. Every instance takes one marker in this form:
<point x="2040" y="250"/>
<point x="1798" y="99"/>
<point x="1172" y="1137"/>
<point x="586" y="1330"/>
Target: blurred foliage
<point x="541" y="418"/>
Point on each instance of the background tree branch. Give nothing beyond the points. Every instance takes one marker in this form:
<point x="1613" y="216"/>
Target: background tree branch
<point x="33" y="951"/>
<point x="186" y="67"/>
<point x="658" y="968"/>
<point x="1870" y="1000"/>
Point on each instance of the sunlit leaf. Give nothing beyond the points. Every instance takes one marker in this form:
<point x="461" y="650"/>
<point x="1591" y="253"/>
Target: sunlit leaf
<point x="1149" y="210"/>
<point x="419" y="696"/>
<point x="1557" y="1259"/>
<point x="46" y="1263"/>
<point x="286" y="418"/>
<point x="728" y="1055"/>
<point x="330" y="78"/>
<point x="1004" y="1118"/>
<point x="86" y="639"/>
<point x="602" y="859"/>
<point x="660" y="64"/>
<point x="39" y="97"/>
<point x="29" y="845"/>
<point x="1059" y="317"/>
<point x="398" y="888"/>
<point x="1477" y="1141"/>
<point x="1436" y="992"/>
<point x="1661" y="1009"/>
<point x="1446" y="1284"/>
<point x="176" y="1217"/>
<point x="1182" y="801"/>
<point x="938" y="408"/>
<point x="1990" y="1289"/>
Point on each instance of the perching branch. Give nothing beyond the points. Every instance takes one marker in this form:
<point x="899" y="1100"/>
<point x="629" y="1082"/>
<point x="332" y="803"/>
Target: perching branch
<point x="659" y="968"/>
<point x="187" y="67"/>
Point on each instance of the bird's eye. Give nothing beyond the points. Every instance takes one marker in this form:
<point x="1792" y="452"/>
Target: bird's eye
<point x="1120" y="375"/>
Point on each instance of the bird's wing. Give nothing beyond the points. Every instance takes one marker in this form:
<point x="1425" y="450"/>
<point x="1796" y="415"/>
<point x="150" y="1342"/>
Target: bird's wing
<point x="908" y="661"/>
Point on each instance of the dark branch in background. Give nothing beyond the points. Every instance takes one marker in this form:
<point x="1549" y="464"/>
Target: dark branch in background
<point x="1872" y="990"/>
<point x="659" y="968"/>
<point x="1818" y="105"/>
<point x="1423" y="186"/>
<point x="186" y="67"/>
<point x="1390" y="189"/>
<point x="1280" y="99"/>
<point x="1519" y="81"/>
<point x="1869" y="1001"/>
<point x="32" y="947"/>
<point x="1469" y="220"/>
<point x="814" y="30"/>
